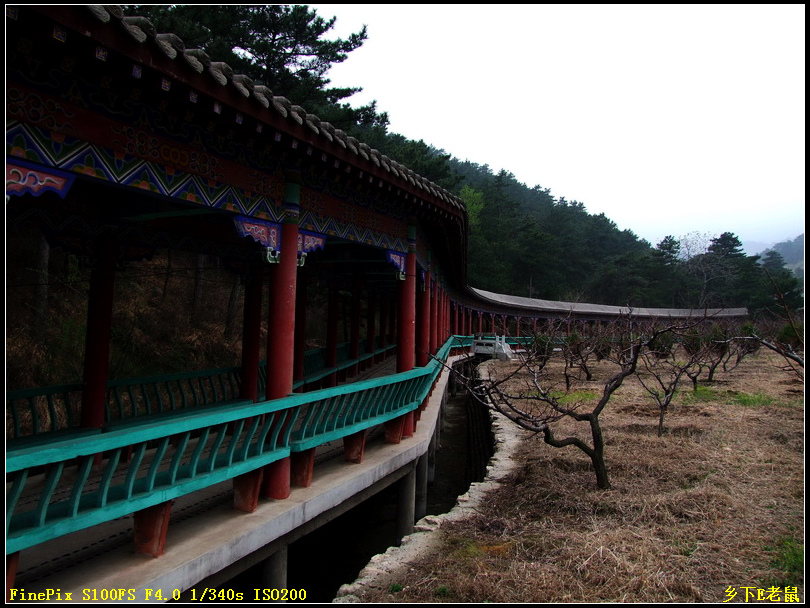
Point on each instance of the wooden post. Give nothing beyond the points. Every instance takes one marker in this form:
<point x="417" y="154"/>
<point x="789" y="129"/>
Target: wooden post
<point x="99" y="331"/>
<point x="406" y="329"/>
<point x="332" y="316"/>
<point x="434" y="317"/>
<point x="423" y="324"/>
<point x="371" y="329"/>
<point x="354" y="347"/>
<point x="151" y="527"/>
<point x="300" y="328"/>
<point x="251" y="333"/>
<point x="281" y="333"/>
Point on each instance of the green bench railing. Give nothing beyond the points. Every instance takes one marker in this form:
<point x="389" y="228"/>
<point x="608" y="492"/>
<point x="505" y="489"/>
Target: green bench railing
<point x="131" y="398"/>
<point x="71" y="483"/>
<point x="334" y="413"/>
<point x="33" y="412"/>
<point x="30" y="412"/>
<point x="51" y="492"/>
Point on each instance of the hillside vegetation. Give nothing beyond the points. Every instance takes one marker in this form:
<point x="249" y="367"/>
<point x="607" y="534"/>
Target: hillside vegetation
<point x="711" y="508"/>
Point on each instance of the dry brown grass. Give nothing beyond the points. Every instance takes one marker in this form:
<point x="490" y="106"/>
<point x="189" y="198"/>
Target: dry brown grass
<point x="712" y="504"/>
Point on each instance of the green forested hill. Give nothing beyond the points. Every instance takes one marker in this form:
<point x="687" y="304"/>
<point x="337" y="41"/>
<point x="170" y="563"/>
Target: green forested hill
<point x="522" y="240"/>
<point x="793" y="254"/>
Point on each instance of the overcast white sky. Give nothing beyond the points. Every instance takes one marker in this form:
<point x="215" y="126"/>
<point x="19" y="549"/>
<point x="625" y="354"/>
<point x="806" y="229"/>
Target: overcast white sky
<point x="669" y="119"/>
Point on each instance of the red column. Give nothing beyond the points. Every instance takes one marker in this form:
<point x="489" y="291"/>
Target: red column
<point x="281" y="330"/>
<point x="151" y="526"/>
<point x="332" y="316"/>
<point x="445" y="317"/>
<point x="406" y="322"/>
<point x="406" y="337"/>
<point x="251" y="333"/>
<point x="99" y="331"/>
<point x="439" y="315"/>
<point x="392" y="319"/>
<point x="423" y="324"/>
<point x="434" y="324"/>
<point x="383" y="327"/>
<point x="371" y="328"/>
<point x="300" y="327"/>
<point x="354" y="346"/>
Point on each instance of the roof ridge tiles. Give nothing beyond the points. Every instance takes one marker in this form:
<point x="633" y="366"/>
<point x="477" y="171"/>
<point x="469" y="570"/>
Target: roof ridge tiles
<point x="142" y="29"/>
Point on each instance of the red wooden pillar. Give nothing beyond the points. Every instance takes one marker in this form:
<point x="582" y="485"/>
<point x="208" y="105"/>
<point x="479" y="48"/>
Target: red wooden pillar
<point x="332" y="316"/>
<point x="354" y="447"/>
<point x="354" y="346"/>
<point x="281" y="330"/>
<point x="448" y="317"/>
<point x="406" y="326"/>
<point x="246" y="491"/>
<point x="480" y="322"/>
<point x="251" y="333"/>
<point x="440" y="320"/>
<point x="463" y="328"/>
<point x="406" y="336"/>
<point x="246" y="488"/>
<point x="302" y="465"/>
<point x="423" y="323"/>
<point x="99" y="331"/>
<point x="383" y="328"/>
<point x="434" y="329"/>
<point x="371" y="328"/>
<point x="392" y="319"/>
<point x="151" y="527"/>
<point x="300" y="328"/>
<point x="12" y="563"/>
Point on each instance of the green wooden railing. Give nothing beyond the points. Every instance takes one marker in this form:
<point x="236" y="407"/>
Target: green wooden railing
<point x="56" y="409"/>
<point x="91" y="476"/>
<point x="74" y="483"/>
<point x="42" y="410"/>
<point x="334" y="413"/>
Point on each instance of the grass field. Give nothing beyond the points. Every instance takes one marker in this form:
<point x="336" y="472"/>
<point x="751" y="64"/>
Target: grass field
<point x="712" y="511"/>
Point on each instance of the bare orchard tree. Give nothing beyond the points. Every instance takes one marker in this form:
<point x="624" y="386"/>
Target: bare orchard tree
<point x="786" y="338"/>
<point x="708" y="345"/>
<point x="662" y="366"/>
<point x="535" y="396"/>
<point x="785" y="334"/>
<point x="583" y="343"/>
<point x="739" y="348"/>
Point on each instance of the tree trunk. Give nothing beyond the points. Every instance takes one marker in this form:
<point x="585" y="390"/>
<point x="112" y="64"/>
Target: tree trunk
<point x="231" y="321"/>
<point x="598" y="455"/>
<point x="41" y="296"/>
<point x="168" y="276"/>
<point x="199" y="277"/>
<point x="600" y="468"/>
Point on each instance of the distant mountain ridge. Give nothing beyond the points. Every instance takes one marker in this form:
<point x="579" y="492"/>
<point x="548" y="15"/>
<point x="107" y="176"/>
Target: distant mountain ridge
<point x="793" y="254"/>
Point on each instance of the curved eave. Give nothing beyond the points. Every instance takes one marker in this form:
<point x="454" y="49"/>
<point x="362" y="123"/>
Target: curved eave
<point x="548" y="308"/>
<point x="302" y="136"/>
